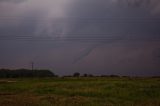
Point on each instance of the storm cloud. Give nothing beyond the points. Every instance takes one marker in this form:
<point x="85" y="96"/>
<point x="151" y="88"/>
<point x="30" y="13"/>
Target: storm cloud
<point x="99" y="37"/>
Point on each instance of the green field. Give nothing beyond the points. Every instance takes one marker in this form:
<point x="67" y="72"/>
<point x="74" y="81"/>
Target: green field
<point x="80" y="92"/>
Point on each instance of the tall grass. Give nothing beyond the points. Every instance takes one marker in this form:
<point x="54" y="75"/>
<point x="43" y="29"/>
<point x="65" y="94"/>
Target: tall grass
<point x="80" y="92"/>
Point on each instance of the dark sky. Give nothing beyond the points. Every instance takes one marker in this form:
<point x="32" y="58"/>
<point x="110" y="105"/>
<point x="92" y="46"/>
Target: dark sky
<point x="87" y="36"/>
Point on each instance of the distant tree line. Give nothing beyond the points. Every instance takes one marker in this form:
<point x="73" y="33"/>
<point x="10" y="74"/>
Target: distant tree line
<point x="18" y="73"/>
<point x="7" y="73"/>
<point x="77" y="74"/>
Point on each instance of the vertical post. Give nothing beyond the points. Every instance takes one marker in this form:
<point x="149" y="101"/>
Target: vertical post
<point x="32" y="65"/>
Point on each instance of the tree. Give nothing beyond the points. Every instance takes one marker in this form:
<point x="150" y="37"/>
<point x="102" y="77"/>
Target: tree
<point x="77" y="74"/>
<point x="7" y="73"/>
<point x="85" y="75"/>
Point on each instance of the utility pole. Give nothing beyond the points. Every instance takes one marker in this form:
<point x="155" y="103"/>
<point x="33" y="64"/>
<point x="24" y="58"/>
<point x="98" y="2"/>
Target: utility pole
<point x="33" y="70"/>
<point x="32" y="65"/>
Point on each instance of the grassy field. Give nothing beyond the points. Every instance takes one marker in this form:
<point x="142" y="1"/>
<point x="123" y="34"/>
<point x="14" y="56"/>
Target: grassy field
<point x="80" y="92"/>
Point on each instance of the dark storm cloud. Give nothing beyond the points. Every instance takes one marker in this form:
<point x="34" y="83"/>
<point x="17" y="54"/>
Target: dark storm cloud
<point x="113" y="18"/>
<point x="115" y="35"/>
<point x="118" y="20"/>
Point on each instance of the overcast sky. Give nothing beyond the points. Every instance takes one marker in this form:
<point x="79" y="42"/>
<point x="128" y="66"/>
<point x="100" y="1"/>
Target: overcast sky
<point x="87" y="36"/>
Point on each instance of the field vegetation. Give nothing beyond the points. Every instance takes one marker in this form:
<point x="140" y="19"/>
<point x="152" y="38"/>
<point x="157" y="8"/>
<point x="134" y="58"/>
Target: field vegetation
<point x="80" y="91"/>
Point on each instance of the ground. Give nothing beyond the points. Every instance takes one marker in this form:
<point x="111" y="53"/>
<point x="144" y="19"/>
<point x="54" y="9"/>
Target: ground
<point x="93" y="91"/>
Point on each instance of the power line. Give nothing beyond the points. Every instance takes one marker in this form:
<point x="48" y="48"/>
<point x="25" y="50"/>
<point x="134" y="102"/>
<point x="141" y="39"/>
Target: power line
<point x="81" y="19"/>
<point x="129" y="38"/>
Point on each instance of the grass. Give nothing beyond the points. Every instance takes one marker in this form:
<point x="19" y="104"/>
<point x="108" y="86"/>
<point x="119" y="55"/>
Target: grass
<point x="80" y="92"/>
